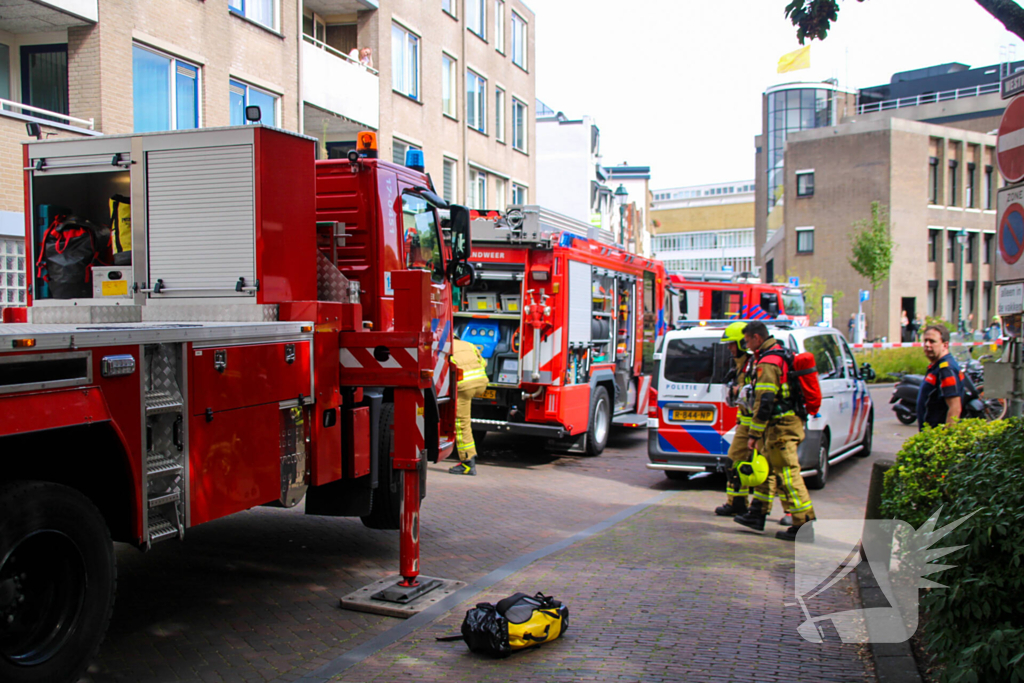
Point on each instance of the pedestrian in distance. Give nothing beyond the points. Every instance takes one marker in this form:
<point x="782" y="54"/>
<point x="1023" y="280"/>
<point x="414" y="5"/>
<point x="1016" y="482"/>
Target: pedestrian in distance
<point x="851" y="325"/>
<point x="778" y="429"/>
<point x="941" y="396"/>
<point x="904" y="326"/>
<point x="471" y="383"/>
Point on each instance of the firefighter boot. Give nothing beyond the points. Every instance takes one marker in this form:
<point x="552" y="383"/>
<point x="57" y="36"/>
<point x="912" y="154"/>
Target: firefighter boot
<point x="786" y="520"/>
<point x="736" y="506"/>
<point x="790" y="534"/>
<point x="753" y="518"/>
<point x="465" y="467"/>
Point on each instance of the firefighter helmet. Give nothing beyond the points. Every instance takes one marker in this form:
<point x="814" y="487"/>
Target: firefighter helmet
<point x="734" y="333"/>
<point x="752" y="472"/>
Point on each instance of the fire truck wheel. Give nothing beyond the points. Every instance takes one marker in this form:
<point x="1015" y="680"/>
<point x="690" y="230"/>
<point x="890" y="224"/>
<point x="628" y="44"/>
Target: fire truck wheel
<point x="600" y="421"/>
<point x="57" y="582"/>
<point x="386" y="505"/>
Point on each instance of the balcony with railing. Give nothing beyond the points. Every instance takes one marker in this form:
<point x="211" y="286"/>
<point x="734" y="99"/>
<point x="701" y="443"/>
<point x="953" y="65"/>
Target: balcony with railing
<point x="335" y="86"/>
<point x="928" y="98"/>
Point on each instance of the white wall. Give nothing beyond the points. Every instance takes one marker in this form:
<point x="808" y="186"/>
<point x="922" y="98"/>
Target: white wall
<point x="564" y="167"/>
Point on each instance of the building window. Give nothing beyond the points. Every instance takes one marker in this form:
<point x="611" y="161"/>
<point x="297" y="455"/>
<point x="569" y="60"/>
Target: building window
<point x="933" y="246"/>
<point x="165" y="92"/>
<point x="518" y="194"/>
<point x="518" y="125"/>
<point x="44" y="76"/>
<point x="933" y="297"/>
<point x="405" y="62"/>
<point x="448" y="6"/>
<point x="5" y="72"/>
<point x="953" y="163"/>
<point x="951" y="296"/>
<point x="789" y="111"/>
<point x="499" y="115"/>
<point x="477" y="190"/>
<point x="398" y="150"/>
<point x="972" y="238"/>
<point x="987" y="290"/>
<point x="12" y="271"/>
<point x="241" y="96"/>
<point x="933" y="180"/>
<point x="500" y="196"/>
<point x="448" y="86"/>
<point x="805" y="184"/>
<point x="805" y="240"/>
<point x="449" y="180"/>
<point x="950" y="246"/>
<point x="986" y="253"/>
<point x="519" y="41"/>
<point x="969" y="200"/>
<point x="969" y="301"/>
<point x="260" y="11"/>
<point x="988" y="187"/>
<point x="476" y="102"/>
<point x="476" y="16"/>
<point x="499" y="26"/>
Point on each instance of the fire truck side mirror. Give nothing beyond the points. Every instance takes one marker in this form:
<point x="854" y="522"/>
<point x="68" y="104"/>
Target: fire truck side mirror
<point x="461" y="246"/>
<point x="461" y="273"/>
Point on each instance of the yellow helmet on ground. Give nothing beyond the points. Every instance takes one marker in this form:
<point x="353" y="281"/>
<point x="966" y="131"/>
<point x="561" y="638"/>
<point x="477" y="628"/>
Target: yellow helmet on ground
<point x="734" y="333"/>
<point x="753" y="472"/>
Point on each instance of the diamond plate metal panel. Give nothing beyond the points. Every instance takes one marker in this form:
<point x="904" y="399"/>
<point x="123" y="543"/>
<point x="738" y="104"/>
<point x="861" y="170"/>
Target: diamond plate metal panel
<point x="213" y="313"/>
<point x="49" y="315"/>
<point x="331" y="284"/>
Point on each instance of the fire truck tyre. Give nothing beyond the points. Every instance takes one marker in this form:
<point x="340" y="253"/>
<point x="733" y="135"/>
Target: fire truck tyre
<point x="600" y="421"/>
<point x="57" y="581"/>
<point x="865" y="443"/>
<point x="386" y="505"/>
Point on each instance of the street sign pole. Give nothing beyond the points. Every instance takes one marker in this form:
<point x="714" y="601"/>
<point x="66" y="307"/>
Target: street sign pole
<point x="1010" y="230"/>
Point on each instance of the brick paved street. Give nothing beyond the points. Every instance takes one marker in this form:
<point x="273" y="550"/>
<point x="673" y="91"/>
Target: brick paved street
<point x="670" y="593"/>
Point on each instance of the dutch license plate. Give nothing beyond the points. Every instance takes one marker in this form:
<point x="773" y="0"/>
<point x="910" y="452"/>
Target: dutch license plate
<point x="489" y="393"/>
<point x="693" y="415"/>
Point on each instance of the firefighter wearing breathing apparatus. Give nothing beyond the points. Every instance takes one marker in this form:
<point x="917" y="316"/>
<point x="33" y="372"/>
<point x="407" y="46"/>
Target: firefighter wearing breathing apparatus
<point x="742" y="373"/>
<point x="472" y="382"/>
<point x="777" y="429"/>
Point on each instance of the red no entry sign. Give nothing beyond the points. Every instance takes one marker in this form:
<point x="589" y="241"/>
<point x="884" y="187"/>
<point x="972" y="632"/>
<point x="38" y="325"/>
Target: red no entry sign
<point x="1010" y="146"/>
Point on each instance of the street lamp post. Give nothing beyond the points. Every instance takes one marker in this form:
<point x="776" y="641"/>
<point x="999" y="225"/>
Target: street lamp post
<point x="620" y="194"/>
<point x="961" y="238"/>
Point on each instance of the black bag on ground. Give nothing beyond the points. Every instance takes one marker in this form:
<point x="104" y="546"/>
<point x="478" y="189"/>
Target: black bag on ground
<point x="519" y="621"/>
<point x="68" y="252"/>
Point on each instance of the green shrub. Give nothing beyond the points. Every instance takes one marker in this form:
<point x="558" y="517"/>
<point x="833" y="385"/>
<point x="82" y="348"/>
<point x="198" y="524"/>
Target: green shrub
<point x="976" y="625"/>
<point x="887" y="362"/>
<point x="913" y="486"/>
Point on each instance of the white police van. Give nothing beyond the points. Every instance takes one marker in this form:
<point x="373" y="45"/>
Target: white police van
<point x="690" y="427"/>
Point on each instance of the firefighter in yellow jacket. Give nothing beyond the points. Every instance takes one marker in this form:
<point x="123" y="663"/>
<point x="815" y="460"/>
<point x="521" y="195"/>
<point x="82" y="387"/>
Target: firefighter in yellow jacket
<point x="735" y="495"/>
<point x="471" y="384"/>
<point x="779" y="430"/>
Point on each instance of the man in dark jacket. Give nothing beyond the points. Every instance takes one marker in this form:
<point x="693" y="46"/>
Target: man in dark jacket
<point x="940" y="398"/>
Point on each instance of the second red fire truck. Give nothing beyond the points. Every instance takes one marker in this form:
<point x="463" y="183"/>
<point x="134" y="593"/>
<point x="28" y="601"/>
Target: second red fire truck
<point x="737" y="297"/>
<point x="567" y="323"/>
<point x="262" y="328"/>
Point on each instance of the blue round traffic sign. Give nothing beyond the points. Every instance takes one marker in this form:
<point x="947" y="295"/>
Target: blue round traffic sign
<point x="1011" y="234"/>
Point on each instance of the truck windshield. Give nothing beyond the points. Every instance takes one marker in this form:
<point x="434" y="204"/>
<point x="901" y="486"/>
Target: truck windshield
<point x="422" y="246"/>
<point x="793" y="302"/>
<point x="690" y="361"/>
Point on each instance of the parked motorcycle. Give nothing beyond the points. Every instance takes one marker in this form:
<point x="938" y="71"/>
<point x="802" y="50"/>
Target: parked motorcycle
<point x="904" y="396"/>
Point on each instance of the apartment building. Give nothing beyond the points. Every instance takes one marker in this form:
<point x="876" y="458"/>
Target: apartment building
<point x="922" y="145"/>
<point x="705" y="229"/>
<point x="454" y="78"/>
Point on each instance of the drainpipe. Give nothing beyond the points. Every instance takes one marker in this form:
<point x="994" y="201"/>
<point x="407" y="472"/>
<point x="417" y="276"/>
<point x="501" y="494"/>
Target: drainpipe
<point x="462" y="118"/>
<point x="298" y="69"/>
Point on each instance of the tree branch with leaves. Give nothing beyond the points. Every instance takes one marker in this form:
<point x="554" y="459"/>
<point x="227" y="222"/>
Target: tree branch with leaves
<point x="872" y="249"/>
<point x="814" y="18"/>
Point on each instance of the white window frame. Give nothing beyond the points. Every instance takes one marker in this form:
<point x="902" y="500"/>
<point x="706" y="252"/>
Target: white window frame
<point x="476" y="106"/>
<point x="449" y="189"/>
<point x="520" y="42"/>
<point x="250" y="87"/>
<point x="476" y="18"/>
<point x="476" y="191"/>
<point x="804" y="231"/>
<point x="517" y="189"/>
<point x="499" y="113"/>
<point x="409" y="39"/>
<point x="500" y="193"/>
<point x="804" y="174"/>
<point x="499" y="26"/>
<point x="395" y="140"/>
<point x="450" y="9"/>
<point x="450" y="72"/>
<point x="240" y="8"/>
<point x="520" y="120"/>
<point x="172" y="97"/>
<point x="12" y="269"/>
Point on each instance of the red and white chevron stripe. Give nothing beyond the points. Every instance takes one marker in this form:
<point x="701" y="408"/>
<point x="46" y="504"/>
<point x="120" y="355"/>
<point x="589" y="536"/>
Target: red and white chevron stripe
<point x="360" y="357"/>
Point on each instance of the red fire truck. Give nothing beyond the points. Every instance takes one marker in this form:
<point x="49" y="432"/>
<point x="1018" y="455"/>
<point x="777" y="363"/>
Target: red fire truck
<point x="567" y="323"/>
<point x="740" y="297"/>
<point x="242" y="353"/>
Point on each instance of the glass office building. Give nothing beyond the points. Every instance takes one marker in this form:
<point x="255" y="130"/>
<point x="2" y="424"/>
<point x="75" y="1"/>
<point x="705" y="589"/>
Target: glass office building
<point x="793" y="107"/>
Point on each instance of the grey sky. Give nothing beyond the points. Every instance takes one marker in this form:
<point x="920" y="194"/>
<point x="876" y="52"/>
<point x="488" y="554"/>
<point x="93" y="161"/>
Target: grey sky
<point x="677" y="84"/>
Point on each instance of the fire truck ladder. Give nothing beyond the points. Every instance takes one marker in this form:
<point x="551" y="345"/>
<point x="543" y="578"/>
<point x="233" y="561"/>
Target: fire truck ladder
<point x="165" y="443"/>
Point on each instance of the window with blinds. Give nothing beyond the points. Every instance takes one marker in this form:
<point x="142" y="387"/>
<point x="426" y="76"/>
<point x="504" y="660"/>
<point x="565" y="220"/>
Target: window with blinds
<point x="449" y="180"/>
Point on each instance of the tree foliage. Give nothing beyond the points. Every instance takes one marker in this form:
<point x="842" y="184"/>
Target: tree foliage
<point x="814" y="18"/>
<point x="872" y="249"/>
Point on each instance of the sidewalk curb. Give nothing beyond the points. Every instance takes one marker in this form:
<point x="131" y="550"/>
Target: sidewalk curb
<point x="894" y="662"/>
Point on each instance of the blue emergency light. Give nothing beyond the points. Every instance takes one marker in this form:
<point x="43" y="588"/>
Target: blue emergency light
<point x="414" y="159"/>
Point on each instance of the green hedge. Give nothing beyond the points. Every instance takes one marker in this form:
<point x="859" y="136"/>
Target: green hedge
<point x="887" y="362"/>
<point x="975" y="627"/>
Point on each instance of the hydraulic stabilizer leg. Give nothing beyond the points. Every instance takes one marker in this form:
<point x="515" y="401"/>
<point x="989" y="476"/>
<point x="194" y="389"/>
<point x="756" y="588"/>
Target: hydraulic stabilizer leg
<point x="408" y="453"/>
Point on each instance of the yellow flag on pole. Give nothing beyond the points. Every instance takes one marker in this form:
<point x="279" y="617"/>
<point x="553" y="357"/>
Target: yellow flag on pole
<point x="797" y="59"/>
